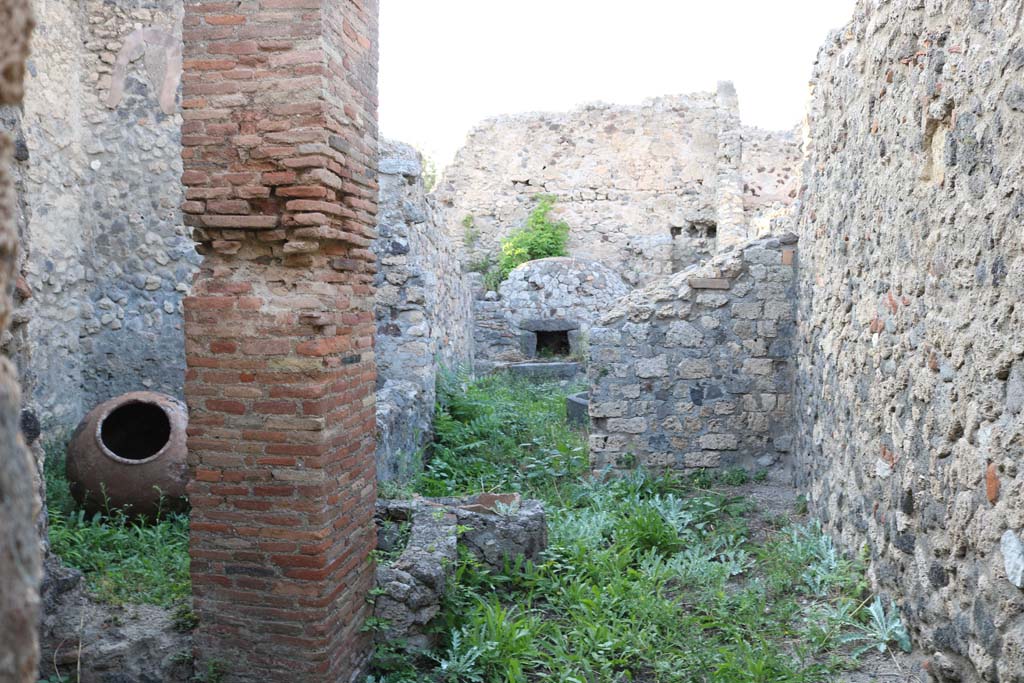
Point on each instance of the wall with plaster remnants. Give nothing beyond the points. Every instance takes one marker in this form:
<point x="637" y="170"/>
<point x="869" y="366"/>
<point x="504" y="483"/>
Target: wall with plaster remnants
<point x="106" y="259"/>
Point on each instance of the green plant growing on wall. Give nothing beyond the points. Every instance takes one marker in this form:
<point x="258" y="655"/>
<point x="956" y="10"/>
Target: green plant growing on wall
<point x="541" y="237"/>
<point x="471" y="234"/>
<point x="429" y="174"/>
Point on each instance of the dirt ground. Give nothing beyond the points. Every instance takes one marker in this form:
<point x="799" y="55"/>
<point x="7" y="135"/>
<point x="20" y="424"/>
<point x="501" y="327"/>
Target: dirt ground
<point x="776" y="499"/>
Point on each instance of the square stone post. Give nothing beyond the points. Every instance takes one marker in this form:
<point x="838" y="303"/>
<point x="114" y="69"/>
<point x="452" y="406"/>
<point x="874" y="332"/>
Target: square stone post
<point x="279" y="147"/>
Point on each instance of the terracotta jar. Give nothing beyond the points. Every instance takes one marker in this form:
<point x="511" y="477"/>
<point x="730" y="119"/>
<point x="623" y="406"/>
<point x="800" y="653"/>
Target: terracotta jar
<point x="128" y="452"/>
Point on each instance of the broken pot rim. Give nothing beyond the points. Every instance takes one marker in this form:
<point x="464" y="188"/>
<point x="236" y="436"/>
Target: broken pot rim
<point x="98" y="434"/>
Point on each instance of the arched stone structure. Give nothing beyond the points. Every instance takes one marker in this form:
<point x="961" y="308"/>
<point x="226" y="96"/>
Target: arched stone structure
<point x="551" y="303"/>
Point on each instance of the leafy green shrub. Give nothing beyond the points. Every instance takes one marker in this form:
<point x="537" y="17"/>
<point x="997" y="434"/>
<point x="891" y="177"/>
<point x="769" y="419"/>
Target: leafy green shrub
<point x="735" y="476"/>
<point x="541" y="237"/>
<point x="644" y="528"/>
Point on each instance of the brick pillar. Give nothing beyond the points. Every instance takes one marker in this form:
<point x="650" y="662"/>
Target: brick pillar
<point x="279" y="137"/>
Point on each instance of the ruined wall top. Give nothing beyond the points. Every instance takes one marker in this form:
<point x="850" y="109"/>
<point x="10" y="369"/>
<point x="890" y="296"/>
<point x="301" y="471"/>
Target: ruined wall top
<point x="695" y="370"/>
<point x="646" y="189"/>
<point x="423" y="309"/>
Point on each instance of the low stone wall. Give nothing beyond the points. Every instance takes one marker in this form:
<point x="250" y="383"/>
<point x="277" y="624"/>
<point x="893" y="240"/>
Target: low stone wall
<point x="551" y="295"/>
<point x="82" y="638"/>
<point x="696" y="370"/>
<point x="911" y="359"/>
<point x="424" y="309"/>
<point x="496" y="528"/>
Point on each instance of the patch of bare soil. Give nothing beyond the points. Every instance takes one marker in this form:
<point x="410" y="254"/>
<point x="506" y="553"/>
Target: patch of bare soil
<point x="776" y="502"/>
<point x="890" y="667"/>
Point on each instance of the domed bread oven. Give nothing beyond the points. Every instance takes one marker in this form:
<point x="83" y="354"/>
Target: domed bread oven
<point x="128" y="452"/>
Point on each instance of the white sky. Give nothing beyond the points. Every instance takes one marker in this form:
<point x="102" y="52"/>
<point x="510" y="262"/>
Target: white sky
<point x="445" y="65"/>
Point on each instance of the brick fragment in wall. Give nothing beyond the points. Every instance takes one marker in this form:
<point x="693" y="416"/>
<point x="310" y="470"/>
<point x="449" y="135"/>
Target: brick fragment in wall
<point x="909" y="435"/>
<point x="690" y="387"/>
<point x="643" y="188"/>
<point x="423" y="310"/>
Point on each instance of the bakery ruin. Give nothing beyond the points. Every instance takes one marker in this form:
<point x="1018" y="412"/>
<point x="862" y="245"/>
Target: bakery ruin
<point x="221" y="281"/>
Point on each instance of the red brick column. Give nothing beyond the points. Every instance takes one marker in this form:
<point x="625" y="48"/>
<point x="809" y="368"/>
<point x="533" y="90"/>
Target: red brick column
<point x="280" y="169"/>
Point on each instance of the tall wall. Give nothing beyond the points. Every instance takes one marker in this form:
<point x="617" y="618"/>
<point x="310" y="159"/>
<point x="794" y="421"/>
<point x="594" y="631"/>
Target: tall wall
<point x="696" y="370"/>
<point x="646" y="190"/>
<point x="280" y="166"/>
<point x="106" y="259"/>
<point x="19" y="551"/>
<point x="424" y="309"/>
<point x="911" y="361"/>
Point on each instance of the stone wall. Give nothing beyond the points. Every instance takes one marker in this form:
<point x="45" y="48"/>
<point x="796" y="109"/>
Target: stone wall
<point x="552" y="295"/>
<point x="646" y="190"/>
<point x="106" y="259"/>
<point x="696" y="370"/>
<point x="771" y="167"/>
<point x="19" y="552"/>
<point x="280" y="98"/>
<point x="424" y="309"/>
<point x="911" y="360"/>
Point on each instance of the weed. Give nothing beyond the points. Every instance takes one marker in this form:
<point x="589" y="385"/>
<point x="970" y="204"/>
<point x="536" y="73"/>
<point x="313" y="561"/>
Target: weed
<point x="401" y="531"/>
<point x="429" y="173"/>
<point x="184" y="619"/>
<point x="645" y="577"/>
<point x="393" y="489"/>
<point x="215" y="672"/>
<point x="460" y="662"/>
<point x="801" y="504"/>
<point x="736" y="476"/>
<point x="879" y="630"/>
<point x="470" y="234"/>
<point x="541" y="237"/>
<point x="124" y="559"/>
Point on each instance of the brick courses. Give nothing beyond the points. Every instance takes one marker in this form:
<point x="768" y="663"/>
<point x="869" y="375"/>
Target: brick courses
<point x="279" y="157"/>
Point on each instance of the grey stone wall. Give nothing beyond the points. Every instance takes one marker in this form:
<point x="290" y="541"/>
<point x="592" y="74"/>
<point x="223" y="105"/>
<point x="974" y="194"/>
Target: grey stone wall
<point x="423" y="309"/>
<point x="696" y="370"/>
<point x="106" y="257"/>
<point x="646" y="190"/>
<point x="14" y="342"/>
<point x="547" y="295"/>
<point x="495" y="338"/>
<point x="911" y="359"/>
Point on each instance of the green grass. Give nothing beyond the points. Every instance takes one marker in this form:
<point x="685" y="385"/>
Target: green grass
<point x="124" y="560"/>
<point x="646" y="578"/>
